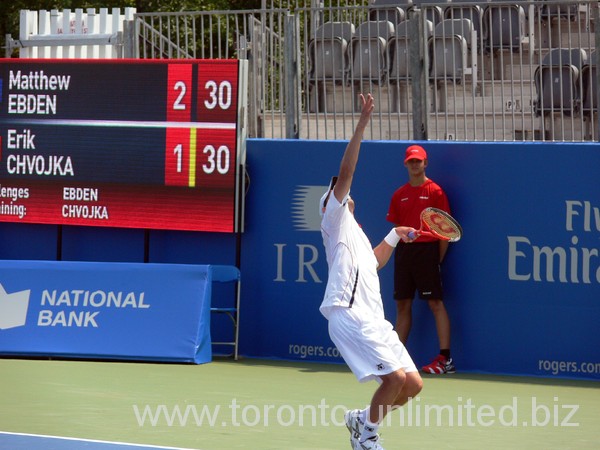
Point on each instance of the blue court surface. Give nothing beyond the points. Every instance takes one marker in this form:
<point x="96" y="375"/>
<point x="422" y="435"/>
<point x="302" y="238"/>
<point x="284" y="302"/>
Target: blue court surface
<point x="19" y="441"/>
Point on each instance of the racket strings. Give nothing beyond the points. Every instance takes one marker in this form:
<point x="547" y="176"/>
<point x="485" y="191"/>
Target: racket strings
<point x="441" y="224"/>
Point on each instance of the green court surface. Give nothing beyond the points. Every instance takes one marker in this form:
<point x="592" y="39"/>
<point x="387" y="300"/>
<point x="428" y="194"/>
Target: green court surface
<point x="258" y="404"/>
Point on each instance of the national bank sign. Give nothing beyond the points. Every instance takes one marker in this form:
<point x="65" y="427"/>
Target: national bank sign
<point x="66" y="308"/>
<point x="61" y="308"/>
<point x="115" y="310"/>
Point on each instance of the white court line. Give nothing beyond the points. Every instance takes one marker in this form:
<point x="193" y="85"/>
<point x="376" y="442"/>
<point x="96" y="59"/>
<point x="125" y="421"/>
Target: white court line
<point x="45" y="436"/>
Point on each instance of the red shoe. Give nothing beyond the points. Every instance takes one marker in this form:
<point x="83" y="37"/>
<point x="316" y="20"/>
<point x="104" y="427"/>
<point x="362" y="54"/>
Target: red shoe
<point x="440" y="365"/>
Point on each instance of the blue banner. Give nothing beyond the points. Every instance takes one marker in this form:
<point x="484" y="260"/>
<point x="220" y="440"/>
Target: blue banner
<point x="107" y="310"/>
<point x="522" y="287"/>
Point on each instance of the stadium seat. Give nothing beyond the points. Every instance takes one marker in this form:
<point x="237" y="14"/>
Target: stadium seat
<point x="399" y="52"/>
<point x="433" y="12"/>
<point x="368" y="51"/>
<point x="399" y="62"/>
<point x="391" y="10"/>
<point x="473" y="12"/>
<point x="505" y="27"/>
<point x="558" y="11"/>
<point x="328" y="52"/>
<point x="557" y="81"/>
<point x="589" y="97"/>
<point x="450" y="45"/>
<point x="404" y="4"/>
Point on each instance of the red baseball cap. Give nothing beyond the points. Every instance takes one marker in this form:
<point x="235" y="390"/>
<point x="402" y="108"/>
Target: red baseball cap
<point x="415" y="152"/>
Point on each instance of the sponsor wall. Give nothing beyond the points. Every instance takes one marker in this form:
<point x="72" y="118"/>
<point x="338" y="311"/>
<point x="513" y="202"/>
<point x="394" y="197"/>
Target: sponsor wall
<point x="522" y="286"/>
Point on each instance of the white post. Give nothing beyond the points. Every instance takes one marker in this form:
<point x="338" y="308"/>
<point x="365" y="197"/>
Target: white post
<point x="92" y="24"/>
<point x="103" y="29"/>
<point x="55" y="50"/>
<point x="28" y="21"/>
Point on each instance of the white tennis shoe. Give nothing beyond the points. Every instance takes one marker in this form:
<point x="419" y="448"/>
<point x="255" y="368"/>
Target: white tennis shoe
<point x="371" y="443"/>
<point x="354" y="425"/>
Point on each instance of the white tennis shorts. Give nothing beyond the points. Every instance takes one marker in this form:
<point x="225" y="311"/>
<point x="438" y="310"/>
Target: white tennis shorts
<point x="369" y="346"/>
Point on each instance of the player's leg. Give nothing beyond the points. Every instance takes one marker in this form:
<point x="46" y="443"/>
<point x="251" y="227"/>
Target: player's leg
<point x="403" y="318"/>
<point x="395" y="388"/>
<point x="361" y="348"/>
<point x="386" y="394"/>
<point x="372" y="350"/>
<point x="412" y="387"/>
<point x="442" y="363"/>
<point x="442" y="322"/>
<point x="430" y="289"/>
<point x="404" y="290"/>
<point x="382" y="403"/>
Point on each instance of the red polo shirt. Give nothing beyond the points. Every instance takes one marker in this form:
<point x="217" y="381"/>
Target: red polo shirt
<point x="408" y="202"/>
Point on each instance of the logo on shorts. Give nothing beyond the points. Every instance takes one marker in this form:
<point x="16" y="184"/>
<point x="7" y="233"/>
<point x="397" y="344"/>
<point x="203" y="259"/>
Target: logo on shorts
<point x="380" y="366"/>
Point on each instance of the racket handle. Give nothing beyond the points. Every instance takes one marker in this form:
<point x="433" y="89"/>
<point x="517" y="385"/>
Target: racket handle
<point x="412" y="234"/>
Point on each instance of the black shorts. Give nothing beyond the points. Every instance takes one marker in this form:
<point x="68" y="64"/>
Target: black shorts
<point x="417" y="268"/>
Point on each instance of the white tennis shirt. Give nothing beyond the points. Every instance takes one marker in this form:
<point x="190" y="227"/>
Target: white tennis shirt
<point x="353" y="281"/>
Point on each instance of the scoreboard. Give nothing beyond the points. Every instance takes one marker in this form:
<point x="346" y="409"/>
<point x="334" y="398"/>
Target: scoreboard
<point x="156" y="144"/>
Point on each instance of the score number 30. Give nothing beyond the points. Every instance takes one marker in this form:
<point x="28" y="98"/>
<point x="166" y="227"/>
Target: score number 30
<point x="219" y="94"/>
<point x="216" y="159"/>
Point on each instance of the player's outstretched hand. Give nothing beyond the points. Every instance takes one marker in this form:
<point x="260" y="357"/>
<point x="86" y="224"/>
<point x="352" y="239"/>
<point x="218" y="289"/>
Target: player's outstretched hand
<point x="368" y="104"/>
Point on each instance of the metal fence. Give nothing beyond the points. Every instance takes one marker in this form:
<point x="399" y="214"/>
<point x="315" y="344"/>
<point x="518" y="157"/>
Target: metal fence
<point x="495" y="71"/>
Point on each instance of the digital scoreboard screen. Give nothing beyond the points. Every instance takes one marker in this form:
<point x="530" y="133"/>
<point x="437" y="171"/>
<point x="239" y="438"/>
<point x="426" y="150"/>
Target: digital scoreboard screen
<point x="153" y="144"/>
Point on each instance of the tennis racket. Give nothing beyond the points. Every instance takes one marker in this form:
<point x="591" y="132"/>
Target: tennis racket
<point x="438" y="224"/>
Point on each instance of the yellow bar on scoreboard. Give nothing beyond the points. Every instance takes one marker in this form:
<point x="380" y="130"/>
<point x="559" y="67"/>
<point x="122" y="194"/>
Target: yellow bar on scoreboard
<point x="192" y="171"/>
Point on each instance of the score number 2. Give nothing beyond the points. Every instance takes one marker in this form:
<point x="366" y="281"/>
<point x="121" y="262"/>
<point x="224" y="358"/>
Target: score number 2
<point x="178" y="104"/>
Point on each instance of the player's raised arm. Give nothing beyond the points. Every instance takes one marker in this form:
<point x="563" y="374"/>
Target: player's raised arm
<point x="350" y="158"/>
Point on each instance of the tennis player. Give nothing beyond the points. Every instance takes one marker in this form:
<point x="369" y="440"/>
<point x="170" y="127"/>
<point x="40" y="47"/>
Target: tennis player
<point x="353" y="305"/>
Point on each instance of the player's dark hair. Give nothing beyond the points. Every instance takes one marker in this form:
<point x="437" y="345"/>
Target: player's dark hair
<point x="331" y="186"/>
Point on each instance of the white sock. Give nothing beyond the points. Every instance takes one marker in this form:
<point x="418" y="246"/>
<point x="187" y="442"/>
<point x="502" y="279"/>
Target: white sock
<point x="363" y="414"/>
<point x="369" y="430"/>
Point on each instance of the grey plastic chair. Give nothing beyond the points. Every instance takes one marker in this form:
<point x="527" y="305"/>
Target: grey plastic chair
<point x="369" y="50"/>
<point x="557" y="81"/>
<point x="328" y="53"/>
<point x="449" y="49"/>
<point x="589" y="97"/>
<point x="399" y="51"/>
<point x="505" y="26"/>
